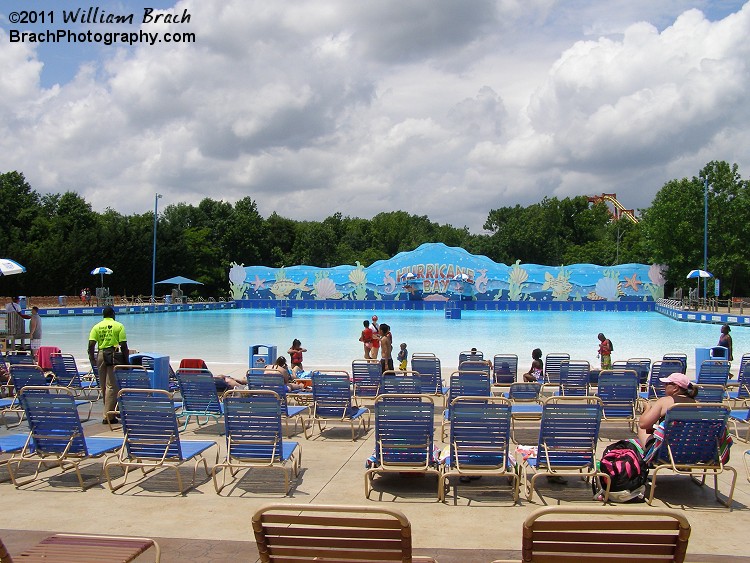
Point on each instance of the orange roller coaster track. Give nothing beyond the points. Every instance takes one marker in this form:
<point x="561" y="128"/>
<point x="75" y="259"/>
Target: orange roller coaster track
<point x="619" y="209"/>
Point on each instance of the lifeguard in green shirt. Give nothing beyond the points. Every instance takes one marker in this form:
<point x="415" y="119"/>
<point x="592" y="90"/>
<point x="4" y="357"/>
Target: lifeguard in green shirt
<point x="108" y="336"/>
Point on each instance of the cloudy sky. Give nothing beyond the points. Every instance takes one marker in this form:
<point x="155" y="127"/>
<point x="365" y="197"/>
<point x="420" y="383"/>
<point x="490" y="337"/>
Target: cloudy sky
<point x="444" y="108"/>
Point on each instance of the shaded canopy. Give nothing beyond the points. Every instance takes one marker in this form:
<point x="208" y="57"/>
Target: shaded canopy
<point x="179" y="280"/>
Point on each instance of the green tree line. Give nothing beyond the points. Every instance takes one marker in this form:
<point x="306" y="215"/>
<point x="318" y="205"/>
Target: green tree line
<point x="59" y="238"/>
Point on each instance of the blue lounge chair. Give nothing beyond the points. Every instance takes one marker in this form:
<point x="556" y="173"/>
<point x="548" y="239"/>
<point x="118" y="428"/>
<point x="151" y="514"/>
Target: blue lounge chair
<point x="740" y="416"/>
<point x="55" y="434"/>
<point x="713" y="372"/>
<point x="252" y="420"/>
<point x="11" y="444"/>
<point x="199" y="397"/>
<point x="275" y="382"/>
<point x="505" y="369"/>
<point x="476" y="365"/>
<point x="470" y="356"/>
<point x="691" y="445"/>
<point x="525" y="398"/>
<point x="402" y="383"/>
<point x="568" y="435"/>
<point x="429" y="369"/>
<point x="135" y="377"/>
<point x="619" y="395"/>
<point x="332" y="402"/>
<point x="465" y="383"/>
<point x="366" y="376"/>
<point x="682" y="358"/>
<point x="152" y="439"/>
<point x="742" y="391"/>
<point x="67" y="375"/>
<point x="660" y="369"/>
<point x="711" y="393"/>
<point x="479" y="442"/>
<point x="404" y="437"/>
<point x="642" y="366"/>
<point x="552" y="366"/>
<point x="20" y="359"/>
<point x="31" y="375"/>
<point x="574" y="378"/>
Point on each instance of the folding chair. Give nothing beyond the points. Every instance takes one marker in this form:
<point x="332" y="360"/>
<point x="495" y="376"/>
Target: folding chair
<point x="55" y="434"/>
<point x="691" y="444"/>
<point x="332" y="402"/>
<point x="63" y="548"/>
<point x="464" y="383"/>
<point x="152" y="440"/>
<point x="199" y="397"/>
<point x="563" y="533"/>
<point x="366" y="376"/>
<point x="404" y="436"/>
<point x="479" y="442"/>
<point x="367" y="534"/>
<point x="574" y="378"/>
<point x="67" y="374"/>
<point x="252" y="419"/>
<point x="275" y="382"/>
<point x="505" y="369"/>
<point x="568" y="435"/>
<point x="619" y="395"/>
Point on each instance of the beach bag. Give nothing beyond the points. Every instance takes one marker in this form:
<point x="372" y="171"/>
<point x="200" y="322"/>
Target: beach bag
<point x="113" y="356"/>
<point x="623" y="463"/>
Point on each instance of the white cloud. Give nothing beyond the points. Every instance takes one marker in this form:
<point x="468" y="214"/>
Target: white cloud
<point x="445" y="108"/>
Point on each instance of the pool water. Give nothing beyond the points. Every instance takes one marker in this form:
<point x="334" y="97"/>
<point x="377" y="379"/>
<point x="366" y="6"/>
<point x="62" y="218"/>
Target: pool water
<point x="331" y="337"/>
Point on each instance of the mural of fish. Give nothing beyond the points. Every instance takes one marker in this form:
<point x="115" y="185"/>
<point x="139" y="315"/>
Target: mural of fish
<point x="282" y="288"/>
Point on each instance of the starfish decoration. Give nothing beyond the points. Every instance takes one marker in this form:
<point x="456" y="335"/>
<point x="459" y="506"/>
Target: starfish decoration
<point x="258" y="283"/>
<point x="633" y="282"/>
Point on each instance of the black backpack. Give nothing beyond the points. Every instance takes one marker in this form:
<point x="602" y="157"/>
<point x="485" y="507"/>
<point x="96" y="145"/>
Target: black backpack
<point x="623" y="462"/>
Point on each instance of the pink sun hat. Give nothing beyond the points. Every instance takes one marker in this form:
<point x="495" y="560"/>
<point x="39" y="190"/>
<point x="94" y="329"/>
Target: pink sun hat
<point x="679" y="379"/>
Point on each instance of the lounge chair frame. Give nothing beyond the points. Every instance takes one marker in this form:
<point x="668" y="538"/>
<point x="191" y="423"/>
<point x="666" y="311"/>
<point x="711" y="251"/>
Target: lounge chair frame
<point x="68" y="375"/>
<point x="612" y="534"/>
<point x="333" y="403"/>
<point x="275" y="382"/>
<point x="199" y="397"/>
<point x="55" y="435"/>
<point x="152" y="439"/>
<point x="691" y="446"/>
<point x="254" y="437"/>
<point x="62" y="548"/>
<point x="568" y="435"/>
<point x="357" y="534"/>
<point x="480" y="437"/>
<point x="404" y="436"/>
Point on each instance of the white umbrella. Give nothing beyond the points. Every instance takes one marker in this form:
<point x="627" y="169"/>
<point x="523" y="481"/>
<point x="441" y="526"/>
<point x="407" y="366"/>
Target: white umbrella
<point x="9" y="267"/>
<point x="697" y="274"/>
<point x="101" y="270"/>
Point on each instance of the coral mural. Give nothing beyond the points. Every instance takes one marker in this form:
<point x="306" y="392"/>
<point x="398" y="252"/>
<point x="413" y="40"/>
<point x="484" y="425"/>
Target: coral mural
<point x="436" y="272"/>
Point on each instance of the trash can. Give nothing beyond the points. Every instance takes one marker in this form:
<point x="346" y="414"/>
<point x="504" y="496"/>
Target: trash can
<point x="719" y="353"/>
<point x="157" y="367"/>
<point x="701" y="355"/>
<point x="262" y="355"/>
<point x="22" y="301"/>
<point x="62" y="300"/>
<point x="168" y="299"/>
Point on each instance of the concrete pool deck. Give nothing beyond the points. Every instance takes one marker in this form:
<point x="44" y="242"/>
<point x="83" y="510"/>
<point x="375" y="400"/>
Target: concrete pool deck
<point x="481" y="525"/>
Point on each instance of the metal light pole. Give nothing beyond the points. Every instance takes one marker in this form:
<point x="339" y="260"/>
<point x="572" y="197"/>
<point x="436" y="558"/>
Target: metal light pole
<point x="705" y="233"/>
<point x="153" y="259"/>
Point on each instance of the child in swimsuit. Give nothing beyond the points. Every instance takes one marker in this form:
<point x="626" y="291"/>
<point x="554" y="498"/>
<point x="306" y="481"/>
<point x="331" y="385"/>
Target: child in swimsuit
<point x="536" y="373"/>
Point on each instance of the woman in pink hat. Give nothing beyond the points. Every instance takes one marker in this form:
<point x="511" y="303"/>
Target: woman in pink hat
<point x="678" y="389"/>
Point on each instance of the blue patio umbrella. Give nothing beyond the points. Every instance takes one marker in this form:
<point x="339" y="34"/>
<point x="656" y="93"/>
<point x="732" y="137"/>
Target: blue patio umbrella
<point x="179" y="280"/>
<point x="9" y="267"/>
<point x="697" y="274"/>
<point x="101" y="270"/>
